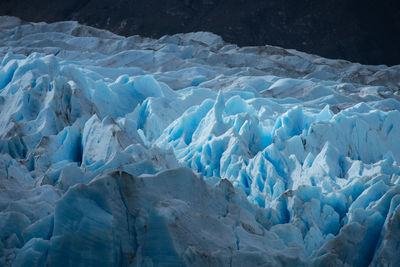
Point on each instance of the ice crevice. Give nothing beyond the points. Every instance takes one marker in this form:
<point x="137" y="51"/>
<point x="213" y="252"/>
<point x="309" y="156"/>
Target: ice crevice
<point x="189" y="151"/>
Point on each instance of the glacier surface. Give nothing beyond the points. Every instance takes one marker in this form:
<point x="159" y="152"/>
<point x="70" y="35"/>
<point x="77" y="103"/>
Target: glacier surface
<point x="188" y="151"/>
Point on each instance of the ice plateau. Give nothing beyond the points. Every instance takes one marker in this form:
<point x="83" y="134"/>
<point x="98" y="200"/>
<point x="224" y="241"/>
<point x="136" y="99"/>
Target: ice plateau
<point x="188" y="151"/>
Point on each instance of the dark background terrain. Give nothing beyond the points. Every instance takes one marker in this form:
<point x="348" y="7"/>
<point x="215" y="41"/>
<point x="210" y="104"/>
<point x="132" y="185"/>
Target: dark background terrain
<point x="361" y="31"/>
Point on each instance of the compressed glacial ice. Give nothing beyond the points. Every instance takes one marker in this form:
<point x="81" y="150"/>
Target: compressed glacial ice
<point x="188" y="151"/>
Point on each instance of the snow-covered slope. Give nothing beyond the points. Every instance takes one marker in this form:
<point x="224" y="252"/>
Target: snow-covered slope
<point x="190" y="151"/>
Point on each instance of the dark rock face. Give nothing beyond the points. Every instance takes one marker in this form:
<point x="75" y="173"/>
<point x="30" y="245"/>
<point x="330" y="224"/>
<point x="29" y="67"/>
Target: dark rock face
<point x="362" y="31"/>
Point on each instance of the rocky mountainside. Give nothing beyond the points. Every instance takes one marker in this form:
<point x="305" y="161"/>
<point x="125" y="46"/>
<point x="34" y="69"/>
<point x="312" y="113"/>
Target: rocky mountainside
<point x="360" y="31"/>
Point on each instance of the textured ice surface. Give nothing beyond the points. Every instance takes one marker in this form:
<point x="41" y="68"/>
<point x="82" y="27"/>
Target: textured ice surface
<point x="190" y="151"/>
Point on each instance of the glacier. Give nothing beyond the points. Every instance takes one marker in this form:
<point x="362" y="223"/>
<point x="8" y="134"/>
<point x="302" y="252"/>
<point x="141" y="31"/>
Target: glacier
<point x="189" y="151"/>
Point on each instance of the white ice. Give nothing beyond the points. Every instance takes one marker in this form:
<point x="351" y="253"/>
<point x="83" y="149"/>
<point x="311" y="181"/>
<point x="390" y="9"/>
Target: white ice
<point x="190" y="151"/>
